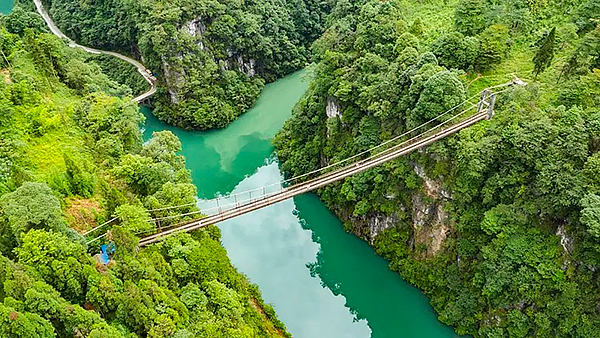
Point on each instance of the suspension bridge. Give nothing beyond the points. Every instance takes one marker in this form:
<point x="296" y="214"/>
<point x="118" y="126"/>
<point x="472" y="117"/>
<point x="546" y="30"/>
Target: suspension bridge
<point x="238" y="204"/>
<point x="223" y="208"/>
<point x="146" y="73"/>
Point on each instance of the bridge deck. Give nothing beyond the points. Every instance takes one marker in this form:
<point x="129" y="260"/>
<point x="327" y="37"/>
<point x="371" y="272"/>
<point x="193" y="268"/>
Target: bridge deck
<point x="318" y="182"/>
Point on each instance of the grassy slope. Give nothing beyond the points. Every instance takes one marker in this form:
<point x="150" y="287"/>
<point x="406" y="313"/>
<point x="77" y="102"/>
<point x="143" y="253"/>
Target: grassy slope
<point x="46" y="128"/>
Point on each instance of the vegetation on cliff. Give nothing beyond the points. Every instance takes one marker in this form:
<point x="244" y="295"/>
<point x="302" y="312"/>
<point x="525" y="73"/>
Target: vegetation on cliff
<point x="520" y="249"/>
<point x="71" y="157"/>
<point x="212" y="57"/>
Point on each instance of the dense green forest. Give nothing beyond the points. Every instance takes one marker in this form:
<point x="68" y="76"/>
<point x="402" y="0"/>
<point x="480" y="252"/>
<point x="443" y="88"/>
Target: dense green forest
<point x="71" y="157"/>
<point x="212" y="57"/>
<point x="500" y="224"/>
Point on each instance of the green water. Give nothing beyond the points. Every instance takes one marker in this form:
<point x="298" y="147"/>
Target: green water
<point x="322" y="281"/>
<point x="6" y="6"/>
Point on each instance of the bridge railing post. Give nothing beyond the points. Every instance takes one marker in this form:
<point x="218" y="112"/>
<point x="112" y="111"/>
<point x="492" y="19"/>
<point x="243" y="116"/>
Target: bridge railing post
<point x="490" y="111"/>
<point x="484" y="94"/>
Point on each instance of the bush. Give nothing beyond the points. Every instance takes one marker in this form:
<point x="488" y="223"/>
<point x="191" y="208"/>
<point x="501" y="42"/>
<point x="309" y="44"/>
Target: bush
<point x="32" y="206"/>
<point x="585" y="15"/>
<point x="469" y="17"/>
<point x="454" y="50"/>
<point x="494" y="46"/>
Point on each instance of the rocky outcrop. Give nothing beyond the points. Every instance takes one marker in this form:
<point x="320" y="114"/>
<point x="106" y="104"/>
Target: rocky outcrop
<point x="237" y="62"/>
<point x="431" y="222"/>
<point x="565" y="241"/>
<point x="234" y="60"/>
<point x="333" y="108"/>
<point x="175" y="80"/>
<point x="196" y="28"/>
<point x="430" y="225"/>
<point x="368" y="227"/>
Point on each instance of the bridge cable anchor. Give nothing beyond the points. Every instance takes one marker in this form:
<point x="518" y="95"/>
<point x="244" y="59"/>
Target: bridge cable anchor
<point x="487" y="103"/>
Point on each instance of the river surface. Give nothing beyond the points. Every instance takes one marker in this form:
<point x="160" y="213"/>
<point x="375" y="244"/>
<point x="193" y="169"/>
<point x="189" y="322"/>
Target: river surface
<point x="6" y="6"/>
<point x="322" y="281"/>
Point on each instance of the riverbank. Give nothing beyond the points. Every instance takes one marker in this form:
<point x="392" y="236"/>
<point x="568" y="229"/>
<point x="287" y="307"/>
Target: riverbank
<point x="322" y="281"/>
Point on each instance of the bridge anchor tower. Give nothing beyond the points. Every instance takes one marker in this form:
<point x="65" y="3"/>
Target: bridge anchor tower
<point x="488" y="99"/>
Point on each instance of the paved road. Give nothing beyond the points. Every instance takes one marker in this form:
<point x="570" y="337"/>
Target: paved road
<point x="147" y="74"/>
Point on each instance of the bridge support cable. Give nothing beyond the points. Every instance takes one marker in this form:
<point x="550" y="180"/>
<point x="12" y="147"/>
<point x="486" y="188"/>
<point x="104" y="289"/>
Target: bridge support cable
<point x="239" y="202"/>
<point x="485" y="110"/>
<point x="330" y="166"/>
<point x="99" y="226"/>
<point x="319" y="182"/>
<point x="233" y="205"/>
<point x="485" y="101"/>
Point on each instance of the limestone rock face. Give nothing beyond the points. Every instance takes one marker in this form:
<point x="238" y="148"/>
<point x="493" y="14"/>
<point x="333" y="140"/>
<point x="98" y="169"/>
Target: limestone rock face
<point x="175" y="79"/>
<point x="370" y="226"/>
<point x="565" y="241"/>
<point x="196" y="28"/>
<point x="333" y="108"/>
<point x="431" y="222"/>
<point x="430" y="225"/>
<point x="233" y="61"/>
<point x="175" y="76"/>
<point x="237" y="62"/>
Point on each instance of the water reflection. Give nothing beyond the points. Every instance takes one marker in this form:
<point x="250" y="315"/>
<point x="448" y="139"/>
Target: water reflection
<point x="269" y="246"/>
<point x="348" y="266"/>
<point x="322" y="281"/>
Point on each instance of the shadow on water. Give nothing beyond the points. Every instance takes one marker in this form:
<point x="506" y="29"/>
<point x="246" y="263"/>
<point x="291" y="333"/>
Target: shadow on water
<point x="348" y="266"/>
<point x="322" y="281"/>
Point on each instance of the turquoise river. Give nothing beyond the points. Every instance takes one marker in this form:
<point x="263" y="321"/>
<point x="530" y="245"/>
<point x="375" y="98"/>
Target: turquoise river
<point x="322" y="281"/>
<point x="6" y="6"/>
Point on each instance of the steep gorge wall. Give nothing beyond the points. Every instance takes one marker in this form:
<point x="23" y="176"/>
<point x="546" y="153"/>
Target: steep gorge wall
<point x="212" y="58"/>
<point x="430" y="222"/>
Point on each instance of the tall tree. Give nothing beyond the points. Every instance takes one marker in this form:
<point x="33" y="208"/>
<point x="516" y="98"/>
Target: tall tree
<point x="469" y="17"/>
<point x="545" y="54"/>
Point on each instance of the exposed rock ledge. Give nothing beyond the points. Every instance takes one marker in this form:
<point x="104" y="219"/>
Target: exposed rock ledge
<point x="368" y="227"/>
<point x="431" y="222"/>
<point x="196" y="28"/>
<point x="333" y="108"/>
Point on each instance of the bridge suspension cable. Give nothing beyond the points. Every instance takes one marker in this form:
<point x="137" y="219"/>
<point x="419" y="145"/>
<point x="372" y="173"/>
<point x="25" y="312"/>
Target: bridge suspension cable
<point x="241" y="202"/>
<point x="291" y="179"/>
<point x="295" y="178"/>
<point x="227" y="208"/>
<point x="319" y="181"/>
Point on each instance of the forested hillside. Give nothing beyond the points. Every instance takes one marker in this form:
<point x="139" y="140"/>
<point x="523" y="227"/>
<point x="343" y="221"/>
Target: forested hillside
<point x="212" y="57"/>
<point x="71" y="157"/>
<point x="500" y="224"/>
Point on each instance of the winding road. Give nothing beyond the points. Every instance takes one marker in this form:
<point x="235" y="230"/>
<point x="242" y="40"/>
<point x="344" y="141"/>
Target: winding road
<point x="146" y="73"/>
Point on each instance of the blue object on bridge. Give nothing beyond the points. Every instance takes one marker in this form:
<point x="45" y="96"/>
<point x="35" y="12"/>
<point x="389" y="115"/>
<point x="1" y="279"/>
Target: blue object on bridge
<point x="104" y="254"/>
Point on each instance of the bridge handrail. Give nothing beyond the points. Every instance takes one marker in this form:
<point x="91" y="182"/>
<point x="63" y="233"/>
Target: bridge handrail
<point x="306" y="186"/>
<point x="299" y="190"/>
